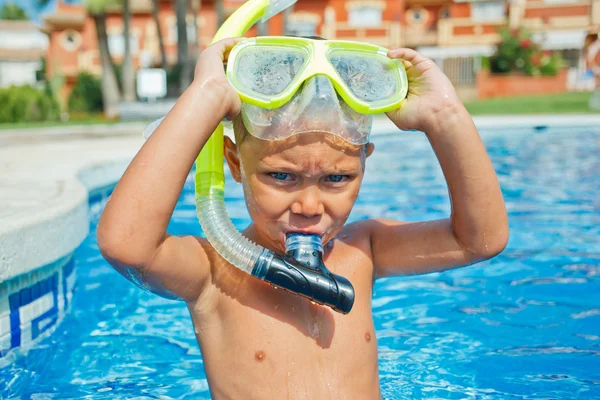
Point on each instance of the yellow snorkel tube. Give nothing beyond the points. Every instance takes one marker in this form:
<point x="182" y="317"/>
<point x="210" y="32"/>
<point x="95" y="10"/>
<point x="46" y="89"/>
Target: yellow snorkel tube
<point x="302" y="270"/>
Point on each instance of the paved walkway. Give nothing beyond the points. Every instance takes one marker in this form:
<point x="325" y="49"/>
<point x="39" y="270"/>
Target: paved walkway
<point x="43" y="204"/>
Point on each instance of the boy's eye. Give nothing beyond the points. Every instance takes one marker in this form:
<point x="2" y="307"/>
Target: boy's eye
<point x="336" y="178"/>
<point x="281" y="176"/>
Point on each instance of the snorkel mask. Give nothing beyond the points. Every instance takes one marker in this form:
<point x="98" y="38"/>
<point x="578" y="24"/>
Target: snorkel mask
<point x="326" y="84"/>
<point x="292" y="85"/>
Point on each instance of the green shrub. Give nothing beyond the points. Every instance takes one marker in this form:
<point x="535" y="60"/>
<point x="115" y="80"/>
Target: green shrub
<point x="27" y="104"/>
<point x="12" y="11"/>
<point x="550" y="64"/>
<point x="86" y="95"/>
<point x="517" y="52"/>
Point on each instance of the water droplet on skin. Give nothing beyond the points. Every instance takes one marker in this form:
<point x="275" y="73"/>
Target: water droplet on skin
<point x="276" y="306"/>
<point x="313" y="303"/>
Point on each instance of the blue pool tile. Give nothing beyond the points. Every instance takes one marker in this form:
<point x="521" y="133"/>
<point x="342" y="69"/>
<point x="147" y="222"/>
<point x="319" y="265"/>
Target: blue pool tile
<point x="35" y="292"/>
<point x="25" y="296"/>
<point x="15" y="321"/>
<point x="15" y="339"/>
<point x="68" y="268"/>
<point x="14" y="301"/>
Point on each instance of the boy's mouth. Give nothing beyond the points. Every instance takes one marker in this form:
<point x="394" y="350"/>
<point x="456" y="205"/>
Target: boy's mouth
<point x="305" y="231"/>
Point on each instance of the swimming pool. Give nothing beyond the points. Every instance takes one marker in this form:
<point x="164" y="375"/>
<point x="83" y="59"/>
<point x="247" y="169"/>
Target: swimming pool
<point x="523" y="325"/>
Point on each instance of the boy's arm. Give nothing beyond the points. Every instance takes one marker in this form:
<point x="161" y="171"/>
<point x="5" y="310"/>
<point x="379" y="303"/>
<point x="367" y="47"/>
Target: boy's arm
<point x="132" y="229"/>
<point x="478" y="226"/>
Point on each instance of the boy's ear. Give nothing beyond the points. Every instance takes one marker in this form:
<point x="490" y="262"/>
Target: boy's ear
<point x="233" y="158"/>
<point x="370" y="149"/>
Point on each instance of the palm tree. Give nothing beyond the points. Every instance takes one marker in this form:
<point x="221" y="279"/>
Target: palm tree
<point x="286" y="19"/>
<point x="127" y="71"/>
<point x="110" y="87"/>
<point x="262" y="29"/>
<point x="161" y="43"/>
<point x="220" y="10"/>
<point x="185" y="72"/>
<point x="195" y="6"/>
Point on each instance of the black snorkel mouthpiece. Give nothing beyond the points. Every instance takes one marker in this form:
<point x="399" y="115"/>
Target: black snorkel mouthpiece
<point x="303" y="272"/>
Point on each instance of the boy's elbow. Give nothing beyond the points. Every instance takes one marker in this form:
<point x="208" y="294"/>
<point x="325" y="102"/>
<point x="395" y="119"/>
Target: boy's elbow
<point x="119" y="251"/>
<point x="491" y="245"/>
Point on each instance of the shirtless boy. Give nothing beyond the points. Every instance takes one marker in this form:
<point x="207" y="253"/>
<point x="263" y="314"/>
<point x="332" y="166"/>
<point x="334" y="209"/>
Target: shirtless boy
<point x="261" y="343"/>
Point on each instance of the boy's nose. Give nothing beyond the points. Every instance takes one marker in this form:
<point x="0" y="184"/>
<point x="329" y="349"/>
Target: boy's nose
<point x="308" y="203"/>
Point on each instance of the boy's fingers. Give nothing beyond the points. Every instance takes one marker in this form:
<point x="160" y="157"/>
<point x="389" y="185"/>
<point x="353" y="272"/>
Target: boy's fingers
<point x="410" y="55"/>
<point x="223" y="47"/>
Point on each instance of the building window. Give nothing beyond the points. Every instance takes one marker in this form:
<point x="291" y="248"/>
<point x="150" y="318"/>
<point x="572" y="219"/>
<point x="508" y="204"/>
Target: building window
<point x="364" y="16"/>
<point x="116" y="45"/>
<point x="70" y="40"/>
<point x="417" y="16"/>
<point x="572" y="57"/>
<point x="301" y="28"/>
<point x="486" y="11"/>
<point x="444" y="12"/>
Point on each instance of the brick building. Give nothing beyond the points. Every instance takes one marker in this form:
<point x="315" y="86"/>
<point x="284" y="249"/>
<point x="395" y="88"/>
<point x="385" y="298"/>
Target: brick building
<point x="455" y="33"/>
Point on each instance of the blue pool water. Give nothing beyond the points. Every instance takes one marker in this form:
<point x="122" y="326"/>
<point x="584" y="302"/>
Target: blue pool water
<point x="523" y="325"/>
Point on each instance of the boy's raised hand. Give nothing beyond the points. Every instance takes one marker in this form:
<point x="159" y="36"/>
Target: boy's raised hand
<point x="210" y="72"/>
<point x="429" y="92"/>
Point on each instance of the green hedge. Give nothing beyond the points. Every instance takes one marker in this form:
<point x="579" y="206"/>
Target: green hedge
<point x="27" y="104"/>
<point x="86" y="95"/>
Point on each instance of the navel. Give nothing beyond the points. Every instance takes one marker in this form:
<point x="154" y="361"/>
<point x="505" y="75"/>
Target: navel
<point x="259" y="356"/>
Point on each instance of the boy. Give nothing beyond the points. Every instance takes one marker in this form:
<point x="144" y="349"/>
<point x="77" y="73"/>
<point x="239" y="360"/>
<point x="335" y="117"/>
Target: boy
<point x="261" y="343"/>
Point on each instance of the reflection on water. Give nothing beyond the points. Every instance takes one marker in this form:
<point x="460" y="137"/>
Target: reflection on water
<point x="523" y="325"/>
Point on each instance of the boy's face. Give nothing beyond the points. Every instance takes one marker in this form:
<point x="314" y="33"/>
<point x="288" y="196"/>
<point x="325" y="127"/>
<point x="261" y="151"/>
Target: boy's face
<point x="307" y="183"/>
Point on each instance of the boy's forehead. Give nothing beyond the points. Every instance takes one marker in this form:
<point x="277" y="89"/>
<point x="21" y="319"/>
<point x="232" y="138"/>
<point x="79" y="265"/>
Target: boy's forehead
<point x="306" y="151"/>
<point x="306" y="142"/>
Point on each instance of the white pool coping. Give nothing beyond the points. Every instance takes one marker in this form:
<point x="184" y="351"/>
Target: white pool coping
<point x="44" y="196"/>
<point x="45" y="179"/>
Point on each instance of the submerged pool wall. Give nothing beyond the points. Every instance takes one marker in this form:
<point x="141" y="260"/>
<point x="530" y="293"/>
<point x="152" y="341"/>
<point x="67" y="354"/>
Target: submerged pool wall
<point x="36" y="293"/>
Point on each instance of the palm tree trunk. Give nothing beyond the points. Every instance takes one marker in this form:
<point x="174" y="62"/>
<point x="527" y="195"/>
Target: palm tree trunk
<point x="286" y="19"/>
<point x="161" y="43"/>
<point x="128" y="72"/>
<point x="195" y="6"/>
<point x="110" y="88"/>
<point x="185" y="77"/>
<point x="262" y="29"/>
<point x="220" y="10"/>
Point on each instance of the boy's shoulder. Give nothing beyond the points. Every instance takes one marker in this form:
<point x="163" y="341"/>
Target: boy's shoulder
<point x="356" y="235"/>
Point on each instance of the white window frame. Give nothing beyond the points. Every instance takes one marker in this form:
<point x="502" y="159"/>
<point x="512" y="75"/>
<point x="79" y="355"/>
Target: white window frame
<point x="301" y="28"/>
<point x="488" y="11"/>
<point x="365" y="16"/>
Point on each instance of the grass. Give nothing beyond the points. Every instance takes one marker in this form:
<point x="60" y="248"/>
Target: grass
<point x="563" y="103"/>
<point x="75" y="119"/>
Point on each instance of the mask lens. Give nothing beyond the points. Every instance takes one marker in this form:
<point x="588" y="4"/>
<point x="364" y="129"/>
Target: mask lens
<point x="369" y="77"/>
<point x="267" y="70"/>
